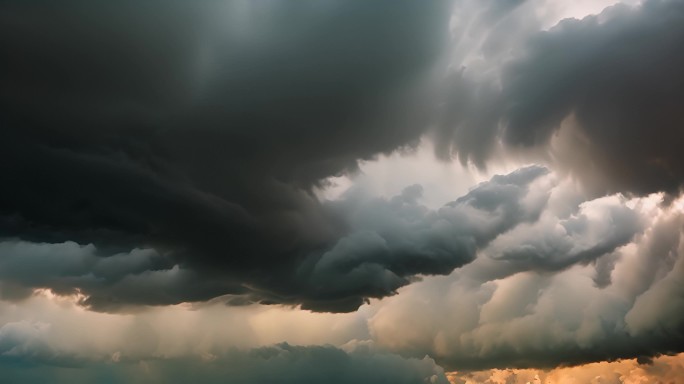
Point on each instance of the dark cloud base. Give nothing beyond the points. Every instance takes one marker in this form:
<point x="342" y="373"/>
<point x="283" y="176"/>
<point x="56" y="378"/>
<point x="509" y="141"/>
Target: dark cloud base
<point x="389" y="241"/>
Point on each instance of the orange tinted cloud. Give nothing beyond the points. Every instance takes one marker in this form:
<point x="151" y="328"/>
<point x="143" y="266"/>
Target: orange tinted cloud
<point x="663" y="370"/>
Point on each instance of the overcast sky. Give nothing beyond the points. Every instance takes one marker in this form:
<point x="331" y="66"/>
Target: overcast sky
<point x="265" y="191"/>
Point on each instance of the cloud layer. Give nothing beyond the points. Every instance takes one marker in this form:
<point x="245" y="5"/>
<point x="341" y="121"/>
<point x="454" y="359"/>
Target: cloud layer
<point x="203" y="140"/>
<point x="201" y="130"/>
<point x="612" y="80"/>
<point x="388" y="242"/>
<point x="615" y="293"/>
<point x="282" y="363"/>
<point x="170" y="160"/>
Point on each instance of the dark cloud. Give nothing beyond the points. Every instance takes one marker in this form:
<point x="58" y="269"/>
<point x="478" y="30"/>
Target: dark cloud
<point x="282" y="363"/>
<point x="618" y="74"/>
<point x="195" y="135"/>
<point x="200" y="130"/>
<point x="170" y="152"/>
<point x="389" y="242"/>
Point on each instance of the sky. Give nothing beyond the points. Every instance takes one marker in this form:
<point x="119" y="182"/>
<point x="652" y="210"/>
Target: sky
<point x="342" y="191"/>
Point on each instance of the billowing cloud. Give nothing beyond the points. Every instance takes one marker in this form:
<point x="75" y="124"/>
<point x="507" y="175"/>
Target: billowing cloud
<point x="200" y="130"/>
<point x="395" y="239"/>
<point x="389" y="242"/>
<point x="170" y="160"/>
<point x="615" y="293"/>
<point x="613" y="80"/>
<point x="555" y="243"/>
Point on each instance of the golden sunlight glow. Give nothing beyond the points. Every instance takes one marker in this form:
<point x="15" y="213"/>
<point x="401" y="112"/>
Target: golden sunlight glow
<point x="664" y="369"/>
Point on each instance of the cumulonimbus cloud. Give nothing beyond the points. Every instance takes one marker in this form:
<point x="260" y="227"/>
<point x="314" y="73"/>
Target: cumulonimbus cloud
<point x="200" y="130"/>
<point x="202" y="138"/>
<point x="165" y="153"/>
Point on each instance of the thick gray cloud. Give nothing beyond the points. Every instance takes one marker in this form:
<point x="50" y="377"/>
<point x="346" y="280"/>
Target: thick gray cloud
<point x="617" y="74"/>
<point x="200" y="130"/>
<point x="282" y="363"/>
<point x="389" y="242"/>
<point x="170" y="152"/>
<point x="540" y="306"/>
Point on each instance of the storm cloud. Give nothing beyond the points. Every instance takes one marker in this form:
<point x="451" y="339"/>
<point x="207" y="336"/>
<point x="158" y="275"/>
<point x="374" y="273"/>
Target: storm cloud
<point x="601" y="96"/>
<point x="263" y="191"/>
<point x="389" y="242"/>
<point x="201" y="130"/>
